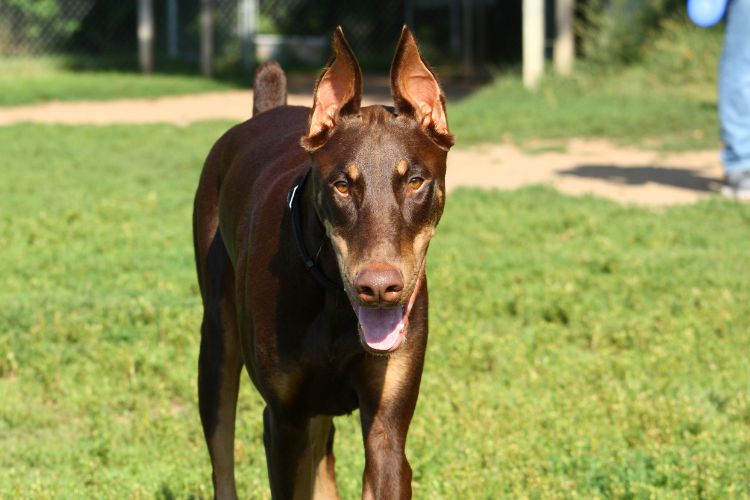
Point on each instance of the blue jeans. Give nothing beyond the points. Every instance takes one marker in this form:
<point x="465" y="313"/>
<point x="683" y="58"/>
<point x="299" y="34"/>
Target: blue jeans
<point x="734" y="88"/>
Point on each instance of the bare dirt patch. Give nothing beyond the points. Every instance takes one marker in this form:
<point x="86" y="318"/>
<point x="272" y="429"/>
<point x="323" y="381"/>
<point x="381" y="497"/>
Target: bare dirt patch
<point x="596" y="167"/>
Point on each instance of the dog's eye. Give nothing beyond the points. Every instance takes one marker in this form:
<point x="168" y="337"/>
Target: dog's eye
<point x="342" y="187"/>
<point x="415" y="183"/>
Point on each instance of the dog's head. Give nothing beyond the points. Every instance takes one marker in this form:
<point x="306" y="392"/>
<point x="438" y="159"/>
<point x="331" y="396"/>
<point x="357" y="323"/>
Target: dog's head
<point x="379" y="183"/>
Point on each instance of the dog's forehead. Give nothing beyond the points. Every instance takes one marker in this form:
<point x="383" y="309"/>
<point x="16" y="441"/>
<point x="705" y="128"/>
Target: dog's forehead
<point x="377" y="139"/>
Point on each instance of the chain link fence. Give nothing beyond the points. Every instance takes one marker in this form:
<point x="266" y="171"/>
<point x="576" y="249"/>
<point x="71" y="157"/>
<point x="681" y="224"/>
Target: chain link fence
<point x="108" y="27"/>
<point x="103" y="32"/>
<point x="37" y="27"/>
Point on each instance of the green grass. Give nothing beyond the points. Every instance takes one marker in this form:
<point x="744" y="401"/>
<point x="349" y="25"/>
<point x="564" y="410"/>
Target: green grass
<point x="29" y="81"/>
<point x="577" y="347"/>
<point x="565" y="108"/>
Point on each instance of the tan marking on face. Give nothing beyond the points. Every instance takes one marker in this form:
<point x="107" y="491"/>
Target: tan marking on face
<point x="353" y="171"/>
<point x="340" y="246"/>
<point x="339" y="243"/>
<point x="421" y="240"/>
<point x="341" y="249"/>
<point x="401" y="166"/>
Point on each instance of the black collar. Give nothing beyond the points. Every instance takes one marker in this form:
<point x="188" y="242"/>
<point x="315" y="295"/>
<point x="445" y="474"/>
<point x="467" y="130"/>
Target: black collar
<point x="293" y="205"/>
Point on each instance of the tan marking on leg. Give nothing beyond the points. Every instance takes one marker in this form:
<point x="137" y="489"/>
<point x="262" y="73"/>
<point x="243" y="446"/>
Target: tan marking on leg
<point x="396" y="373"/>
<point x="304" y="477"/>
<point x="324" y="478"/>
<point x="285" y="385"/>
<point x="222" y="440"/>
<point x="222" y="445"/>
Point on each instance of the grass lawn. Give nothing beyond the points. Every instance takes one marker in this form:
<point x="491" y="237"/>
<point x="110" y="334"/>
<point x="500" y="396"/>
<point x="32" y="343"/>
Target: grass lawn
<point x="667" y="102"/>
<point x="563" y="108"/>
<point x="28" y="81"/>
<point x="578" y="347"/>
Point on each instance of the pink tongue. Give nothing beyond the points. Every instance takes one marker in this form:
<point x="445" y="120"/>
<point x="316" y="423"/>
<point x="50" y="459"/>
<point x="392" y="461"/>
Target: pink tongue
<point x="381" y="328"/>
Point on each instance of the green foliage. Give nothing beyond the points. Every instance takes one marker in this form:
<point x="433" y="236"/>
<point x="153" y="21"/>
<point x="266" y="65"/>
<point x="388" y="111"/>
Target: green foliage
<point x="684" y="57"/>
<point x="38" y="18"/>
<point x="667" y="101"/>
<point x="617" y="31"/>
<point x="577" y="347"/>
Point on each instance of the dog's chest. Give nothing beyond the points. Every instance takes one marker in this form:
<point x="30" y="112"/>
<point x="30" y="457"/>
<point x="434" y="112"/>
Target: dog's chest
<point x="327" y="394"/>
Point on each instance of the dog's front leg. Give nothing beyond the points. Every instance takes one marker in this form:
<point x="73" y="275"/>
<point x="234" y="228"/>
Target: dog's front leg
<point x="387" y="472"/>
<point x="386" y="409"/>
<point x="299" y="456"/>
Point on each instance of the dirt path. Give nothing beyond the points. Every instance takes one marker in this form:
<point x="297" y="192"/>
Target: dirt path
<point x="596" y="167"/>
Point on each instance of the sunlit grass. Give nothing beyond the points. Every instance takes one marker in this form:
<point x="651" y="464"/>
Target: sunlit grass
<point x="34" y="80"/>
<point x="577" y="347"/>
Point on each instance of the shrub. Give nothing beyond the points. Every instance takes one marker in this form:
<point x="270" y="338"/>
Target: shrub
<point x="618" y="31"/>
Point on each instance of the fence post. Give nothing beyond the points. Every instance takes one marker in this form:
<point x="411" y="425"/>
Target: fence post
<point x="409" y="14"/>
<point x="247" y="27"/>
<point x="468" y="36"/>
<point x="146" y="35"/>
<point x="455" y="21"/>
<point x="172" y="24"/>
<point x="207" y="38"/>
<point x="564" y="51"/>
<point x="533" y="42"/>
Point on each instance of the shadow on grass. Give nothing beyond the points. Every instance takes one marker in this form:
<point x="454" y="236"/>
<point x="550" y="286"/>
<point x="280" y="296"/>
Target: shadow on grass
<point x="165" y="493"/>
<point x="682" y="178"/>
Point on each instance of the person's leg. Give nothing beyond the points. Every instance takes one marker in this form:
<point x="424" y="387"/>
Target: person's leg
<point x="734" y="96"/>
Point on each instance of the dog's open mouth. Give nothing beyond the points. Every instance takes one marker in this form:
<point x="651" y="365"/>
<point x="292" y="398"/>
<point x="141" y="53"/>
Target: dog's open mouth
<point x="384" y="329"/>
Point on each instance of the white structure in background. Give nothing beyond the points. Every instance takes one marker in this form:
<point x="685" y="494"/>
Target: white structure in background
<point x="533" y="42"/>
<point x="259" y="46"/>
<point x="247" y="27"/>
<point x="564" y="50"/>
<point x="146" y="35"/>
<point x="207" y="37"/>
<point x="173" y="16"/>
<point x="534" y="38"/>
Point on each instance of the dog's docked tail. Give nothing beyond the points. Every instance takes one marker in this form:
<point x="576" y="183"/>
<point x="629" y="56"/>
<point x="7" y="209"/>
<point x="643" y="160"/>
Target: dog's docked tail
<point x="269" y="88"/>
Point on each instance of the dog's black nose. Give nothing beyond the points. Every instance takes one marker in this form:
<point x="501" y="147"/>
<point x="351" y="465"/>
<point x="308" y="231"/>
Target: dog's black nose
<point x="379" y="284"/>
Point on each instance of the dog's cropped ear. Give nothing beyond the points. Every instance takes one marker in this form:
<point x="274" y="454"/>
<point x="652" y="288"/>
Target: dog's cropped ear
<point x="416" y="91"/>
<point x="337" y="93"/>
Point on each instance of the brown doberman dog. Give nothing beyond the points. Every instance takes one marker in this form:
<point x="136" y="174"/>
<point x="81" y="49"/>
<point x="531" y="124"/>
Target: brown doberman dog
<point x="311" y="229"/>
